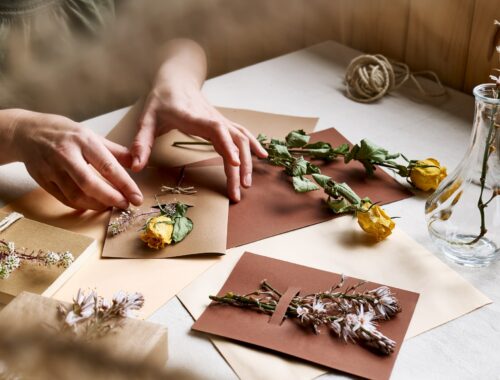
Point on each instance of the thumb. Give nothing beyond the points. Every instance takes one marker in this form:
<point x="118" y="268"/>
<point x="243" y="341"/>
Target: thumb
<point x="143" y="141"/>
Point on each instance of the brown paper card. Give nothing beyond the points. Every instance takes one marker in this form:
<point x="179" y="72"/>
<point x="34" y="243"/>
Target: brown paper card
<point x="143" y="275"/>
<point x="339" y="245"/>
<point x="272" y="207"/>
<point x="290" y="337"/>
<point x="135" y="340"/>
<point x="209" y="214"/>
<point x="29" y="234"/>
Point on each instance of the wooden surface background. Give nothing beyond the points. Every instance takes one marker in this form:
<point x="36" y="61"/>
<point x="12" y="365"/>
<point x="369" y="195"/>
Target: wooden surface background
<point x="455" y="38"/>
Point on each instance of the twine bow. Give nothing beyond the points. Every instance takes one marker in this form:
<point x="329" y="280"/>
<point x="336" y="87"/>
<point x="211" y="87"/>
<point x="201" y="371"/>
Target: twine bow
<point x="178" y="189"/>
<point x="370" y="77"/>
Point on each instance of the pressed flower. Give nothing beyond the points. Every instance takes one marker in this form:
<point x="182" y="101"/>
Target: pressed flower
<point x="427" y="174"/>
<point x="374" y="221"/>
<point x="158" y="232"/>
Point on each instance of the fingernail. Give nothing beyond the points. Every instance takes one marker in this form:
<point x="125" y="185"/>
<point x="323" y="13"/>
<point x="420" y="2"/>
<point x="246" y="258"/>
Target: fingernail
<point x="237" y="195"/>
<point x="248" y="180"/>
<point x="137" y="161"/>
<point x="136" y="199"/>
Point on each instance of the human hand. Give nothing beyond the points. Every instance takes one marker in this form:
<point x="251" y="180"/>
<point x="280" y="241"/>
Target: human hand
<point x="59" y="153"/>
<point x="183" y="107"/>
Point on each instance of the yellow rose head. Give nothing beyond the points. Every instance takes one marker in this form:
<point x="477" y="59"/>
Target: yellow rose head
<point x="158" y="232"/>
<point x="427" y="174"/>
<point x="374" y="221"/>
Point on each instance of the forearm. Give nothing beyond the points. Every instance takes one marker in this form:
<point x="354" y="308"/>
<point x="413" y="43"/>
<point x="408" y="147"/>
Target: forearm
<point x="182" y="62"/>
<point x="9" y="118"/>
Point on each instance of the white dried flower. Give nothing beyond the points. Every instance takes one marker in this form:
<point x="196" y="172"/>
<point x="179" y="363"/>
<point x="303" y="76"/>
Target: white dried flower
<point x="4" y="271"/>
<point x="318" y="306"/>
<point x="52" y="258"/>
<point x="66" y="259"/>
<point x="302" y="312"/>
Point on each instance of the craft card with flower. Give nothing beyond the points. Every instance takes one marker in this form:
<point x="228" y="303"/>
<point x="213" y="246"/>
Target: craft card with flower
<point x="342" y="323"/>
<point x="36" y="257"/>
<point x="185" y="212"/>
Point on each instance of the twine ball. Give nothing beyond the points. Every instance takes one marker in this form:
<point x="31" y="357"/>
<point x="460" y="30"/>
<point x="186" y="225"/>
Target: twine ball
<point x="369" y="77"/>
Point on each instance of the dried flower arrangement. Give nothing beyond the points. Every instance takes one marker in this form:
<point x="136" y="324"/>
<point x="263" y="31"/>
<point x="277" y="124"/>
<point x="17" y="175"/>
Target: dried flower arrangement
<point x="341" y="199"/>
<point x="11" y="258"/>
<point x="91" y="316"/>
<point x="163" y="225"/>
<point x="347" y="311"/>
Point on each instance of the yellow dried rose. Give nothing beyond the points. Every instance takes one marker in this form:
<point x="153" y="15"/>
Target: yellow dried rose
<point x="158" y="232"/>
<point x="427" y="174"/>
<point x="374" y="221"/>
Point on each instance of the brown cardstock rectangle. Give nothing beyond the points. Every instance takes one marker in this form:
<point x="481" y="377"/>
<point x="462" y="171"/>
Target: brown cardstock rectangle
<point x="209" y="214"/>
<point x="290" y="337"/>
<point x="271" y="206"/>
<point x="33" y="236"/>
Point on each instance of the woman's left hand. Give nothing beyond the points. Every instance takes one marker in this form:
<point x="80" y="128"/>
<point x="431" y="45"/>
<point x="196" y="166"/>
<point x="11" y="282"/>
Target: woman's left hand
<point x="182" y="106"/>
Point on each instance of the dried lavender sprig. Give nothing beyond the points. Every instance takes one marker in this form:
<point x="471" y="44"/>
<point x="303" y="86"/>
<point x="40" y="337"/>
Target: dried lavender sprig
<point x="11" y="258"/>
<point x="126" y="219"/>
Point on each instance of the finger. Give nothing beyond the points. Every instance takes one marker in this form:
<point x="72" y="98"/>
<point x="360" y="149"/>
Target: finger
<point x="143" y="141"/>
<point x="107" y="165"/>
<point x="242" y="142"/>
<point x="221" y="138"/>
<point x="73" y="195"/>
<point x="121" y="153"/>
<point x="233" y="182"/>
<point x="255" y="145"/>
<point x="91" y="183"/>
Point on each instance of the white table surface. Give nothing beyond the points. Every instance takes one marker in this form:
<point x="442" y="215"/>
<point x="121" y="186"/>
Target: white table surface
<point x="309" y="83"/>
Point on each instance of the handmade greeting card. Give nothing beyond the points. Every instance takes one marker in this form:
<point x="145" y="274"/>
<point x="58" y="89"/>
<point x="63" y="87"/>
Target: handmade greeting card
<point x="36" y="257"/>
<point x="185" y="212"/>
<point x="342" y="323"/>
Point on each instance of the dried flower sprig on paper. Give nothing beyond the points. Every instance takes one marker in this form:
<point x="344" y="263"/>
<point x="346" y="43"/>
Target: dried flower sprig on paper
<point x="349" y="313"/>
<point x="91" y="316"/>
<point x="11" y="258"/>
<point x="163" y="225"/>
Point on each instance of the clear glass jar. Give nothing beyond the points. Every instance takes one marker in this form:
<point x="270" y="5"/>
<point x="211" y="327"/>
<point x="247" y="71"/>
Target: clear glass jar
<point x="465" y="232"/>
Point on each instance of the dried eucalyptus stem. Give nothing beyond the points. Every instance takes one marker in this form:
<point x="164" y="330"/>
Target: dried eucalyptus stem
<point x="11" y="258"/>
<point x="348" y="312"/>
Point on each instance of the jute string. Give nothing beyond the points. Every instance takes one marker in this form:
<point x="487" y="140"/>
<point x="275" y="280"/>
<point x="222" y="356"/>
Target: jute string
<point x="370" y="77"/>
<point x="9" y="220"/>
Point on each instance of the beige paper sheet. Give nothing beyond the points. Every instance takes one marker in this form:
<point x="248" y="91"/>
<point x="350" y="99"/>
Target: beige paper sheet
<point x="158" y="280"/>
<point x="339" y="246"/>
<point x="273" y="125"/>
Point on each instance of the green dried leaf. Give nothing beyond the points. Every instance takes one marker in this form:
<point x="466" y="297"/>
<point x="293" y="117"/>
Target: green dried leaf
<point x="180" y="210"/>
<point x="303" y="185"/>
<point x="182" y="227"/>
<point x="312" y="169"/>
<point x="339" y="206"/>
<point x="298" y="167"/>
<point x="279" y="151"/>
<point x="297" y="139"/>
<point x="261" y="138"/>
<point x="321" y="179"/>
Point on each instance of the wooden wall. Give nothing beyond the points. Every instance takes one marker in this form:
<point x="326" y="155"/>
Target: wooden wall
<point x="452" y="37"/>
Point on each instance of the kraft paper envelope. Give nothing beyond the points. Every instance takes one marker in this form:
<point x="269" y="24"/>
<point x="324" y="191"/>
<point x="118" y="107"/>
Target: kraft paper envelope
<point x="164" y="154"/>
<point x="208" y="212"/>
<point x="340" y="246"/>
<point x="158" y="280"/>
<point x="290" y="337"/>
<point x="33" y="236"/>
<point x="272" y="207"/>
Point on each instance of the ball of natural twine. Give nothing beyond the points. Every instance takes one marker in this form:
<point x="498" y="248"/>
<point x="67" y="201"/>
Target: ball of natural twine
<point x="370" y="77"/>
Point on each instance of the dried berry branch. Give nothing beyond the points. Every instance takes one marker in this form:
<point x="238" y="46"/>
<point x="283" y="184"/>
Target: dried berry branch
<point x="348" y="312"/>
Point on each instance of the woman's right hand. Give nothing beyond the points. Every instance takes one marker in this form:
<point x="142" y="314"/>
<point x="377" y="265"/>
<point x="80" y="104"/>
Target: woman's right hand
<point x="78" y="167"/>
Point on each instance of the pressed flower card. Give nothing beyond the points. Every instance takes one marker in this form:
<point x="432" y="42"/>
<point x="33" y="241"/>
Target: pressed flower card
<point x="39" y="258"/>
<point x="322" y="317"/>
<point x="184" y="213"/>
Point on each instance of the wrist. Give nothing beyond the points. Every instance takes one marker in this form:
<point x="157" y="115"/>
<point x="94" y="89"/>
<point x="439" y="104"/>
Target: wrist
<point x="14" y="122"/>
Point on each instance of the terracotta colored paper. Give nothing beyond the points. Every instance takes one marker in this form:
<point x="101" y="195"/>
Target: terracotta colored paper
<point x="143" y="275"/>
<point x="340" y="246"/>
<point x="272" y="207"/>
<point x="134" y="340"/>
<point x="290" y="337"/>
<point x="209" y="214"/>
<point x="26" y="233"/>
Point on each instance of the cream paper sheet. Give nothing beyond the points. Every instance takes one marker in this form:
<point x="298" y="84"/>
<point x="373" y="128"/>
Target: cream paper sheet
<point x="158" y="280"/>
<point x="340" y="246"/>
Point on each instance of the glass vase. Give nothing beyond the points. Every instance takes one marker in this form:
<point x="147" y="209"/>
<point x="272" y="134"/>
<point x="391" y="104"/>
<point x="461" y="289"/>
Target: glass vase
<point x="463" y="215"/>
